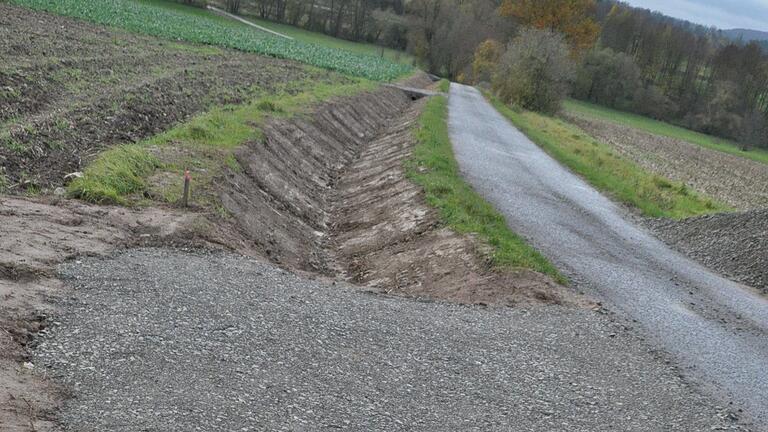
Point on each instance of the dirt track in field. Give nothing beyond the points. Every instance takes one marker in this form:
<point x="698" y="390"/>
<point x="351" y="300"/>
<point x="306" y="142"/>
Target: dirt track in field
<point x="736" y="181"/>
<point x="69" y="89"/>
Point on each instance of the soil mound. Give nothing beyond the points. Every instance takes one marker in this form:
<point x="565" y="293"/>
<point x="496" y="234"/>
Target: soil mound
<point x="734" y="244"/>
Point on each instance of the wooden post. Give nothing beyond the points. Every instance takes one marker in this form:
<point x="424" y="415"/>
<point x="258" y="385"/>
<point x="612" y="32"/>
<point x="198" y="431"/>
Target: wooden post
<point x="187" y="180"/>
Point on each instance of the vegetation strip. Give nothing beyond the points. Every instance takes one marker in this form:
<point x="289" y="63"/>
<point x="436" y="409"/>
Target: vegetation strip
<point x="205" y="144"/>
<point x="655" y="196"/>
<point x="434" y="168"/>
<point x="590" y="110"/>
<point x="179" y="22"/>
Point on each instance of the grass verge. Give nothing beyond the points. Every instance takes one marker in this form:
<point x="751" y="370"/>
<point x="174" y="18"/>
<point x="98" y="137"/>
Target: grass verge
<point x="180" y="22"/>
<point x="596" y="162"/>
<point x="590" y="110"/>
<point x="435" y="169"/>
<point x="129" y="173"/>
<point x="444" y="85"/>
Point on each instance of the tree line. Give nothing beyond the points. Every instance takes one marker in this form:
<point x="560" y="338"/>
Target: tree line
<point x="602" y="51"/>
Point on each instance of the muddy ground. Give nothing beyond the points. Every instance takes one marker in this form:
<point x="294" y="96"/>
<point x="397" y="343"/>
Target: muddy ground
<point x="69" y="89"/>
<point x="736" y="181"/>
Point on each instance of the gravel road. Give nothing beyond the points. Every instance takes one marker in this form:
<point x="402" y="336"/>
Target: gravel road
<point x="161" y="340"/>
<point x="715" y="329"/>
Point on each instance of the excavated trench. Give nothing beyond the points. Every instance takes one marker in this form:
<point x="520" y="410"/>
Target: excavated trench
<point x="328" y="194"/>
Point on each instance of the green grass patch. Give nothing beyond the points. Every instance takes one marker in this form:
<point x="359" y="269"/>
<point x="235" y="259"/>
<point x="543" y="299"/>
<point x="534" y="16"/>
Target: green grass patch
<point x="116" y="173"/>
<point x="205" y="145"/>
<point x="179" y="22"/>
<point x="587" y="109"/>
<point x="444" y="85"/>
<point x="600" y="166"/>
<point x="435" y="169"/>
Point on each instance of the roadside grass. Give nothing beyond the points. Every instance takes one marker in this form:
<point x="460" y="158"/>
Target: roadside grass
<point x="587" y="109"/>
<point x="152" y="169"/>
<point x="444" y="85"/>
<point x="653" y="195"/>
<point x="435" y="169"/>
<point x="181" y="22"/>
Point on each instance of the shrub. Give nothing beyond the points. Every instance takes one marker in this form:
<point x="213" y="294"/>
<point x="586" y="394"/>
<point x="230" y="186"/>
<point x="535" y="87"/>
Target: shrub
<point x="535" y="71"/>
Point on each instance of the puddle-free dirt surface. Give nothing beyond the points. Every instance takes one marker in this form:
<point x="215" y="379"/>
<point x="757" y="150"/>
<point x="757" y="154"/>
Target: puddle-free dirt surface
<point x="70" y="89"/>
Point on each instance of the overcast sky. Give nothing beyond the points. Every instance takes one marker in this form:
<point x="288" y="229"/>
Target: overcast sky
<point x="724" y="14"/>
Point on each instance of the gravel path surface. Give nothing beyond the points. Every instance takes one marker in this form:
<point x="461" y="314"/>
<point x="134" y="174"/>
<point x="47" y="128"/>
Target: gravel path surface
<point x="159" y="340"/>
<point x="713" y="327"/>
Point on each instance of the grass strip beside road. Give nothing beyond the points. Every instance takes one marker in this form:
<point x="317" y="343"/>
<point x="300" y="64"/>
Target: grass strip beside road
<point x="653" y="195"/>
<point x="180" y="22"/>
<point x="205" y="144"/>
<point x="435" y="169"/>
<point x="589" y="110"/>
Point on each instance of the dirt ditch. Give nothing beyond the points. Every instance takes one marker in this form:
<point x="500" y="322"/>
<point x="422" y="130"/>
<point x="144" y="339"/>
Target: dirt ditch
<point x="69" y="89"/>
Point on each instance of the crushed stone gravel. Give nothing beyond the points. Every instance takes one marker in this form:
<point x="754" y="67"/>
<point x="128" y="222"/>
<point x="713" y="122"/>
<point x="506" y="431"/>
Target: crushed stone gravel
<point x="172" y="340"/>
<point x="733" y="244"/>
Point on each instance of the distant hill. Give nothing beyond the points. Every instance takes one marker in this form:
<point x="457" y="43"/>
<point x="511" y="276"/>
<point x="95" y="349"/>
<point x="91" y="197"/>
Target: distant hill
<point x="746" y="35"/>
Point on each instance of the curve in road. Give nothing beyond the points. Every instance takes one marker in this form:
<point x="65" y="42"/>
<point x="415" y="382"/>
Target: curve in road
<point x="716" y="329"/>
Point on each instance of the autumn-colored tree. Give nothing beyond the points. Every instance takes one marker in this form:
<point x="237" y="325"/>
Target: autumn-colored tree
<point x="486" y="59"/>
<point x="569" y="17"/>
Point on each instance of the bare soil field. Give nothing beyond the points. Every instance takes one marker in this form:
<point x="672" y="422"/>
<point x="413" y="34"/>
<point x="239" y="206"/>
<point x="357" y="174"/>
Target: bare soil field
<point x="738" y="182"/>
<point x="69" y="89"/>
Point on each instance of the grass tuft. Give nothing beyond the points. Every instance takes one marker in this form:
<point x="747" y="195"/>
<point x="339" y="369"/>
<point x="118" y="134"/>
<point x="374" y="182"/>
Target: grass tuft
<point x="596" y="162"/>
<point x="117" y="172"/>
<point x="435" y="169"/>
<point x="444" y="85"/>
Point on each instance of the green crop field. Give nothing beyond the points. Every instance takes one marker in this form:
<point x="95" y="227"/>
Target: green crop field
<point x="178" y="22"/>
<point x="332" y="42"/>
<point x="587" y="109"/>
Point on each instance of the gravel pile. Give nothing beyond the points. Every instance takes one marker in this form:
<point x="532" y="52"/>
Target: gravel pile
<point x="167" y="340"/>
<point x="734" y="244"/>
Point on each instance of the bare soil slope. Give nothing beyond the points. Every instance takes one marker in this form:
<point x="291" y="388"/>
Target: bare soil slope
<point x="738" y="182"/>
<point x="69" y="89"/>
